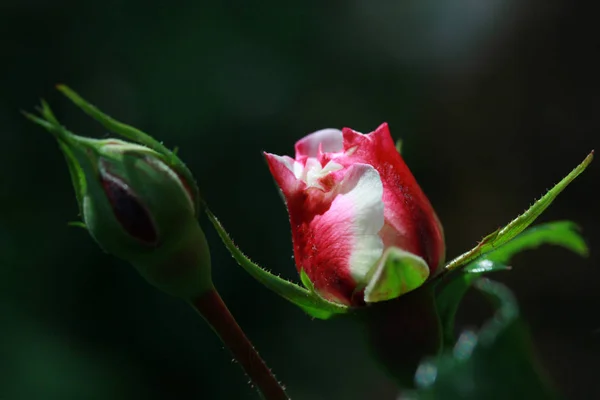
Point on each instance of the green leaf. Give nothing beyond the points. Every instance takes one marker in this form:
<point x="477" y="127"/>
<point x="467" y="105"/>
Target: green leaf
<point x="397" y="272"/>
<point x="137" y="136"/>
<point x="307" y="299"/>
<point x="495" y="363"/>
<point x="559" y="233"/>
<point x="516" y="226"/>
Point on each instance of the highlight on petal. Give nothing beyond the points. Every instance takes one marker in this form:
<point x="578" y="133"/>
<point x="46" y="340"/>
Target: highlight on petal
<point x="327" y="140"/>
<point x="397" y="273"/>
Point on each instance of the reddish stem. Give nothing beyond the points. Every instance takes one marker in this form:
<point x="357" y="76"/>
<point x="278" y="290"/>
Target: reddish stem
<point x="215" y="312"/>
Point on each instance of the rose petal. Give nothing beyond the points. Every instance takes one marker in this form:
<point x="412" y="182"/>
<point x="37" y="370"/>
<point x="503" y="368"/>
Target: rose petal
<point x="338" y="247"/>
<point x="410" y="221"/>
<point x="283" y="170"/>
<point x="328" y="140"/>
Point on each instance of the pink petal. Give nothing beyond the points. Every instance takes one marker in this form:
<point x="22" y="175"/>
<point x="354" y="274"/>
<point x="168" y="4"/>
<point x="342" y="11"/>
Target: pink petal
<point x="282" y="169"/>
<point x="328" y="140"/>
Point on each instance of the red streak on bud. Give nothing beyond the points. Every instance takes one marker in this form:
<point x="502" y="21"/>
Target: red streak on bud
<point x="130" y="213"/>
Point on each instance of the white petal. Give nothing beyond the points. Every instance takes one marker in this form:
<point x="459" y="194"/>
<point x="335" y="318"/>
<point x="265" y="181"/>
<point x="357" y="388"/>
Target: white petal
<point x="362" y="190"/>
<point x="331" y="166"/>
<point x="298" y="169"/>
<point x="313" y="171"/>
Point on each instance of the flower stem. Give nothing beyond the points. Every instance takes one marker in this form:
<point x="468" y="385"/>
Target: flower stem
<point x="215" y="312"/>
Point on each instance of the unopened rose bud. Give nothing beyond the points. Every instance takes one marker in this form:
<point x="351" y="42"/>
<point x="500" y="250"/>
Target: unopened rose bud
<point x="140" y="209"/>
<point x="363" y="230"/>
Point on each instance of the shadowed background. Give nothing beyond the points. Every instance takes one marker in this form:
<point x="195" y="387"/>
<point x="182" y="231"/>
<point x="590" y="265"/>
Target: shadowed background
<point x="495" y="100"/>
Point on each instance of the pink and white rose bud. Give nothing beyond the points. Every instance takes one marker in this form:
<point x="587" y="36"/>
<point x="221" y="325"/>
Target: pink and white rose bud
<point x="351" y="197"/>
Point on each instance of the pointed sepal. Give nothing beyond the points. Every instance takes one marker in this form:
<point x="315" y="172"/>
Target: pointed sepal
<point x="131" y="133"/>
<point x="516" y="226"/>
<point x="305" y="298"/>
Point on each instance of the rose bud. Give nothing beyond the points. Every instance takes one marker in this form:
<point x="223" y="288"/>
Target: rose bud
<point x="362" y="228"/>
<point x="140" y="209"/>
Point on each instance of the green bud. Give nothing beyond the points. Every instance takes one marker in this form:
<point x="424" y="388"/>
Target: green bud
<point x="138" y="208"/>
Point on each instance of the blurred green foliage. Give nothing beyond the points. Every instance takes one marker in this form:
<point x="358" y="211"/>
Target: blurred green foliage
<point x="456" y="284"/>
<point x="493" y="103"/>
<point x="497" y="362"/>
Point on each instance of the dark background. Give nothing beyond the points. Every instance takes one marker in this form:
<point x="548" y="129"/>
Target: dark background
<point x="496" y="100"/>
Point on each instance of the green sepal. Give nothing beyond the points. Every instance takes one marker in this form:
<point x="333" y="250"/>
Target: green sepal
<point x="313" y="312"/>
<point x="62" y="136"/>
<point x="516" y="226"/>
<point x="496" y="362"/>
<point x="307" y="299"/>
<point x="138" y="136"/>
<point x="76" y="174"/>
<point x="396" y="273"/>
<point x="399" y="146"/>
<point x="306" y="280"/>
